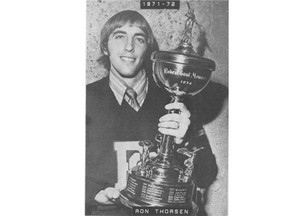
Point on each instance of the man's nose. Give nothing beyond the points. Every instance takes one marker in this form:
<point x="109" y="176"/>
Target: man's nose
<point x="129" y="45"/>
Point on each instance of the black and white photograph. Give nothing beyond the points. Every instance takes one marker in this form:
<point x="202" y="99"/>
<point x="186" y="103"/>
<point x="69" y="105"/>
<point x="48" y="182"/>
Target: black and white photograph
<point x="143" y="107"/>
<point x="156" y="108"/>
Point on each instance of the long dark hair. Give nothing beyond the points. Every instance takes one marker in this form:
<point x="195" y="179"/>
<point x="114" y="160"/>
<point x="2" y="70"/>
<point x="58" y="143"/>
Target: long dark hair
<point x="119" y="20"/>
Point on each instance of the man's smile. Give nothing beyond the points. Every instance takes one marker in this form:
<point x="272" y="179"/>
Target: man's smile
<point x="127" y="58"/>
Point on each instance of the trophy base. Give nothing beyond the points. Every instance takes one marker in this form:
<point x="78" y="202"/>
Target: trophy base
<point x="142" y="191"/>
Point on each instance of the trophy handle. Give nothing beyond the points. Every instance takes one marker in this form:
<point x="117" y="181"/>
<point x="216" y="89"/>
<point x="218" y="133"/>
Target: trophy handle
<point x="144" y="156"/>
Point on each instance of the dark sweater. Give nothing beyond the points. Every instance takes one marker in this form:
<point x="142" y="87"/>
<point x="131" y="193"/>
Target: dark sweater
<point x="107" y="122"/>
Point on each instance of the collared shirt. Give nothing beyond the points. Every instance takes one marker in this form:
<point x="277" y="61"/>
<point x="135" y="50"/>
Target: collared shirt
<point x="118" y="86"/>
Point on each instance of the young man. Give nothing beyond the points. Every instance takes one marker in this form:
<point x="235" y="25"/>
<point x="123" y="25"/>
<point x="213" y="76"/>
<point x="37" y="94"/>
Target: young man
<point x="128" y="106"/>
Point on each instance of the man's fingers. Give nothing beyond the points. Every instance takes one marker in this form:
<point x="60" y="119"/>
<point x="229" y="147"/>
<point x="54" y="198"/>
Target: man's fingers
<point x="174" y="105"/>
<point x="170" y="117"/>
<point x="175" y="124"/>
<point x="173" y="121"/>
<point x="107" y="196"/>
<point x="109" y="192"/>
<point x="179" y="106"/>
<point x="116" y="194"/>
<point x="112" y="193"/>
<point x="102" y="198"/>
<point x="172" y="132"/>
<point x="170" y="124"/>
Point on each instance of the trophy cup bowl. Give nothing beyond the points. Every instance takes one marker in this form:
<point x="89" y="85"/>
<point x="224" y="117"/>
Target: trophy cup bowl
<point x="180" y="73"/>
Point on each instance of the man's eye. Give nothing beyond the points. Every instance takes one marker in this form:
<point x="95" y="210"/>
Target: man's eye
<point x="119" y="36"/>
<point x="141" y="40"/>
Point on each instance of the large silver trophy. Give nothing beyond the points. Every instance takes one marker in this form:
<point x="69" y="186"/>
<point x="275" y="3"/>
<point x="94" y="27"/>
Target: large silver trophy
<point x="161" y="181"/>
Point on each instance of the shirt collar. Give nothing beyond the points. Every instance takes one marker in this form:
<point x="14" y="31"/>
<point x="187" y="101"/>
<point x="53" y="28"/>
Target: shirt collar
<point x="118" y="86"/>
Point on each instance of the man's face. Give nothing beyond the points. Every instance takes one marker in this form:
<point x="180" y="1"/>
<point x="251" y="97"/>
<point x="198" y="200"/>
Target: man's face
<point x="126" y="49"/>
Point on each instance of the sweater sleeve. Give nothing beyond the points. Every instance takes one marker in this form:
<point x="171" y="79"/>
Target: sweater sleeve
<point x="101" y="170"/>
<point x="205" y="166"/>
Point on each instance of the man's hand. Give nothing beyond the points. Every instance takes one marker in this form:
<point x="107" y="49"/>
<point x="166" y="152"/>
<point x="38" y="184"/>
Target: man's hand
<point x="107" y="196"/>
<point x="175" y="124"/>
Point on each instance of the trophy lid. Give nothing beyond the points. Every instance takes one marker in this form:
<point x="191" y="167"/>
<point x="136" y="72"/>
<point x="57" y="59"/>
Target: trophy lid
<point x="185" y="54"/>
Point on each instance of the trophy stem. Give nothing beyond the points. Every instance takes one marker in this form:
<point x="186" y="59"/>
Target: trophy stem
<point x="166" y="147"/>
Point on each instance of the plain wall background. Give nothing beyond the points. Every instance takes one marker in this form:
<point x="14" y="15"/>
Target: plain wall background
<point x="167" y="26"/>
